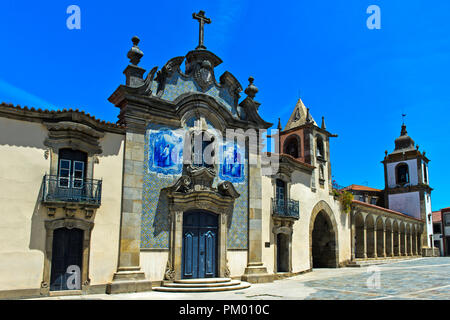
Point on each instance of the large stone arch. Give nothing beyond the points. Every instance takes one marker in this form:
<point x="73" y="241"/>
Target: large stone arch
<point x="360" y="247"/>
<point x="324" y="212"/>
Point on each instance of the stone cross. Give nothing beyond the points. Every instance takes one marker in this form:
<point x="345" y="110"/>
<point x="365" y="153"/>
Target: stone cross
<point x="200" y="16"/>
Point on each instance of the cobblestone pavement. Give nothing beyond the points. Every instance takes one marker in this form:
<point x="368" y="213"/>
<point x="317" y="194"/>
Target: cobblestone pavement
<point x="423" y="278"/>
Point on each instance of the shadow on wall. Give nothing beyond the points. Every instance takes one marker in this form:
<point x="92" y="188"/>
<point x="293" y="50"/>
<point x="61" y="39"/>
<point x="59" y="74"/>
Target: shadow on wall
<point x="111" y="144"/>
<point x="37" y="234"/>
<point x="22" y="134"/>
<point x="161" y="221"/>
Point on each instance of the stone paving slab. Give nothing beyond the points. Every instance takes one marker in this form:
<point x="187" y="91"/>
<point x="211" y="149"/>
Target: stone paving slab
<point x="423" y="279"/>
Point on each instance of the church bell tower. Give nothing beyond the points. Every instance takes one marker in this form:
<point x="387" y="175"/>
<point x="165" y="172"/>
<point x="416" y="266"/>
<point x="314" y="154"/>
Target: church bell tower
<point x="407" y="188"/>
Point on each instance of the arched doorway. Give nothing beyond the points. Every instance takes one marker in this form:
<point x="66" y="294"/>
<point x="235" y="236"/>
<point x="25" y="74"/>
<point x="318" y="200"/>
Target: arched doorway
<point x="67" y="258"/>
<point x="199" y="254"/>
<point x="324" y="244"/>
<point x="359" y="236"/>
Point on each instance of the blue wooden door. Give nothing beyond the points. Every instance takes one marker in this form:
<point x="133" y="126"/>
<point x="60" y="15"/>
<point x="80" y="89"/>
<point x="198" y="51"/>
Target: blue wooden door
<point x="199" y="245"/>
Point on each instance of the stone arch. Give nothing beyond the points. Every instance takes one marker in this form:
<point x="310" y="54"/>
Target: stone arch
<point x="370" y="236"/>
<point x="323" y="237"/>
<point x="359" y="236"/>
<point x="380" y="245"/>
<point x="414" y="239"/>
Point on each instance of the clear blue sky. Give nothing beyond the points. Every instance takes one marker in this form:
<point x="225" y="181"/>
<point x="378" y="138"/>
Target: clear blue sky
<point x="361" y="80"/>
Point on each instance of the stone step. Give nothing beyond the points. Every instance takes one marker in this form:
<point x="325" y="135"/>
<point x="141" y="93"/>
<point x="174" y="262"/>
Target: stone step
<point x="203" y="280"/>
<point x="377" y="261"/>
<point x="201" y="285"/>
<point x="240" y="286"/>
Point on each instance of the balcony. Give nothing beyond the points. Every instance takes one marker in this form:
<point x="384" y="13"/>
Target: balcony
<point x="286" y="208"/>
<point x="74" y="191"/>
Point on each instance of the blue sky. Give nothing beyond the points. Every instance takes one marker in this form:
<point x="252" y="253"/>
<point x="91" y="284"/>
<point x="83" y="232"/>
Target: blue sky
<point x="361" y="80"/>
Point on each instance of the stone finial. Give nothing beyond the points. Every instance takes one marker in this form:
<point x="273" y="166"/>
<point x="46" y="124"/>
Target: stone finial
<point x="279" y="124"/>
<point x="251" y="90"/>
<point x="308" y="118"/>
<point x="403" y="132"/>
<point x="323" y="126"/>
<point x="135" y="54"/>
<point x="385" y="153"/>
<point x="417" y="147"/>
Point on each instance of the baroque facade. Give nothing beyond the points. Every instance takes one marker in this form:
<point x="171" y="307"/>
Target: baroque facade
<point x="93" y="207"/>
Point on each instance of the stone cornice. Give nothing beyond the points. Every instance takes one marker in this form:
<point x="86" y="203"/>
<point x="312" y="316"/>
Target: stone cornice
<point x="416" y="188"/>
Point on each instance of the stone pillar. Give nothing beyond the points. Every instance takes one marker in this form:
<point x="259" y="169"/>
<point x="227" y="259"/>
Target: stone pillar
<point x="417" y="244"/>
<point x="365" y="243"/>
<point x="129" y="277"/>
<point x="255" y="272"/>
<point x="405" y="235"/>
<point x="410" y="244"/>
<point x="353" y="238"/>
<point x="384" y="241"/>
<point x="392" y="242"/>
<point x="375" y="244"/>
<point x="399" y="243"/>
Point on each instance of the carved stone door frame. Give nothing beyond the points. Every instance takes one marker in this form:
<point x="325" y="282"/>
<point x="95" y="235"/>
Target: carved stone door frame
<point x="69" y="223"/>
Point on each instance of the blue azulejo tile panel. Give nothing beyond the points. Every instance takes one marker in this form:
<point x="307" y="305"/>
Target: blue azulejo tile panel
<point x="165" y="151"/>
<point x="238" y="231"/>
<point x="177" y="85"/>
<point x="232" y="167"/>
<point x="162" y="167"/>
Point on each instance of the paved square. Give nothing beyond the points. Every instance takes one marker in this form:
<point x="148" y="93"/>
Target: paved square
<point x="423" y="278"/>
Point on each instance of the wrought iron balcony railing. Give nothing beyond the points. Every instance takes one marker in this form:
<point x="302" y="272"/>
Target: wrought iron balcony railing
<point x="63" y="189"/>
<point x="286" y="208"/>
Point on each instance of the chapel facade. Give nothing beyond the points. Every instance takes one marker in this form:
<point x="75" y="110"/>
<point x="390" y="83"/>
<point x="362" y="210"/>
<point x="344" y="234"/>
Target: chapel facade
<point x="138" y="205"/>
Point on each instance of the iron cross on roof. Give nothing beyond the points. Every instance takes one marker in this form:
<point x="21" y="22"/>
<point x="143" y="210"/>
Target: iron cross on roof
<point x="200" y="16"/>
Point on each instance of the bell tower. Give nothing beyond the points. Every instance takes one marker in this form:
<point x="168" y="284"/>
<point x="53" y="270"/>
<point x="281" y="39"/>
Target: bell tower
<point x="407" y="188"/>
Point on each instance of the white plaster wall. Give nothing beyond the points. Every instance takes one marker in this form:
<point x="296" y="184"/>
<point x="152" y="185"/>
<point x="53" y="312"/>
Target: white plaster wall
<point x="237" y="261"/>
<point x="407" y="203"/>
<point x="413" y="172"/>
<point x="106" y="231"/>
<point x="153" y="263"/>
<point x="429" y="221"/>
<point x="22" y="232"/>
<point x="301" y="191"/>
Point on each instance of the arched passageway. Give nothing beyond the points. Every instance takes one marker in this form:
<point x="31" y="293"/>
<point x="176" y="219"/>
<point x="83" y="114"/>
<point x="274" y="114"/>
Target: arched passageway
<point x="380" y="237"/>
<point x="359" y="236"/>
<point x="388" y="228"/>
<point x="370" y="234"/>
<point x="324" y="248"/>
<point x="396" y="238"/>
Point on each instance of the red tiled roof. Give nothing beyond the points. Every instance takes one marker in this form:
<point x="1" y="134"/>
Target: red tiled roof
<point x="384" y="209"/>
<point x="437" y="216"/>
<point x="357" y="187"/>
<point x="46" y="111"/>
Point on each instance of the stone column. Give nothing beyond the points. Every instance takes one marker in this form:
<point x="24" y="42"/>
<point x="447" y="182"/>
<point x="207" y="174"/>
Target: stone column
<point x="417" y="244"/>
<point x="405" y="235"/>
<point x="399" y="243"/>
<point x="129" y="277"/>
<point x="392" y="242"/>
<point x="255" y="272"/>
<point x="410" y="244"/>
<point x="365" y="243"/>
<point x="384" y="241"/>
<point x="353" y="238"/>
<point x="375" y="244"/>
